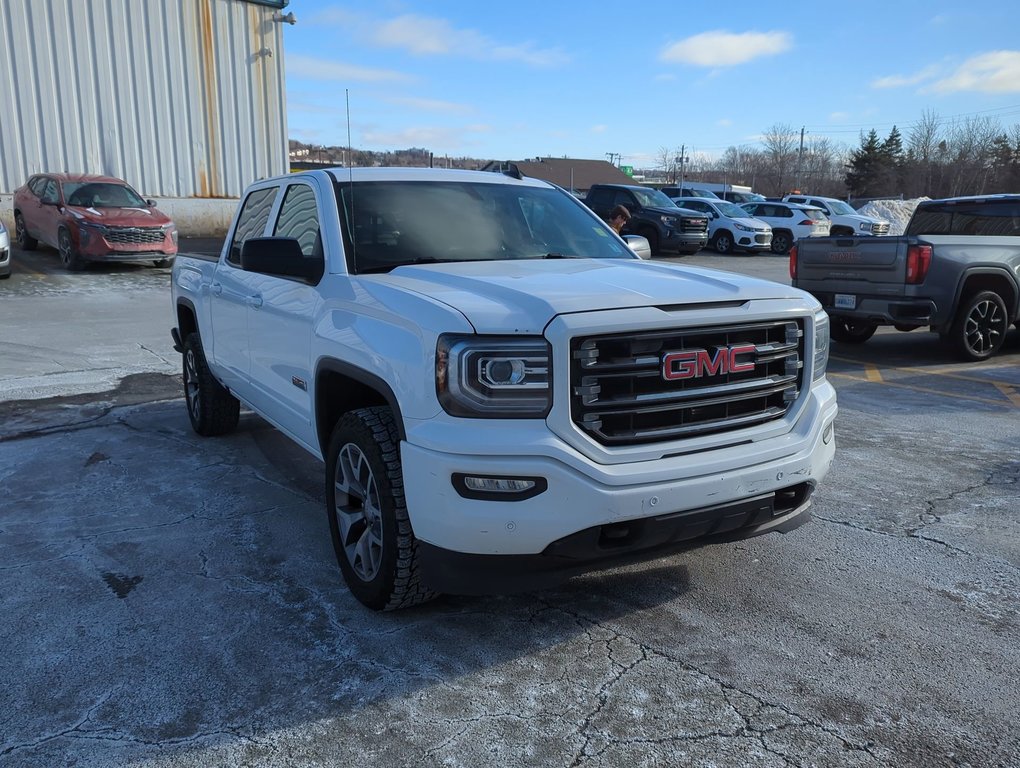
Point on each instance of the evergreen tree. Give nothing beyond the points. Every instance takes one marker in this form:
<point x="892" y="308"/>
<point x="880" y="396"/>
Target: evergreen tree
<point x="890" y="172"/>
<point x="864" y="167"/>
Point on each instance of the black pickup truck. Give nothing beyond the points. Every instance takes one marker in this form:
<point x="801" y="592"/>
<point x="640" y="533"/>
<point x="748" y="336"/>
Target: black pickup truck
<point x="653" y="216"/>
<point x="956" y="270"/>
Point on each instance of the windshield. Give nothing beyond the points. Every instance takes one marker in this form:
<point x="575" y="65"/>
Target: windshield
<point x="652" y="198"/>
<point x="731" y="210"/>
<point x="101" y="194"/>
<point x="841" y="208"/>
<point x="388" y="224"/>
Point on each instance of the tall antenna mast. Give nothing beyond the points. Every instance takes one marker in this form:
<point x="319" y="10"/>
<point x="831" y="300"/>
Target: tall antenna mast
<point x="350" y="181"/>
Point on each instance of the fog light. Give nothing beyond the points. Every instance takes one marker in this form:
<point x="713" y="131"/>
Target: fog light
<point x="494" y="488"/>
<point x="827" y="433"/>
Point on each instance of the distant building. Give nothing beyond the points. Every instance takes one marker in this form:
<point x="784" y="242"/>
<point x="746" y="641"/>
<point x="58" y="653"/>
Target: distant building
<point x="572" y="174"/>
<point x="184" y="100"/>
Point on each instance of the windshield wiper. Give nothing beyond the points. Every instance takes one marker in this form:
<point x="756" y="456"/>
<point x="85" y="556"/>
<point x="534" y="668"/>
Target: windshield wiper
<point x="560" y="256"/>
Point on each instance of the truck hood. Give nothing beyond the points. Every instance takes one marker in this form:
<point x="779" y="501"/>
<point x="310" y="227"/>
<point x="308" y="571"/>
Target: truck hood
<point x="523" y="296"/>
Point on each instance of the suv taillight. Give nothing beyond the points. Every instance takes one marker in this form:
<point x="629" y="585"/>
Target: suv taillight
<point x="793" y="261"/>
<point x="806" y="223"/>
<point x="918" y="261"/>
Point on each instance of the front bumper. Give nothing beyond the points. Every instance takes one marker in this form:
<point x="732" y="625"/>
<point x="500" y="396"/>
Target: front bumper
<point x="692" y="495"/>
<point x="883" y="310"/>
<point x="683" y="242"/>
<point x="93" y="246"/>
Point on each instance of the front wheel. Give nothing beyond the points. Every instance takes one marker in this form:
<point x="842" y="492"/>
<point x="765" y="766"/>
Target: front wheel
<point x="850" y="332"/>
<point x="68" y="254"/>
<point x="211" y="408"/>
<point x="722" y="242"/>
<point x="164" y="262"/>
<point x="653" y="239"/>
<point x="980" y="326"/>
<point x="368" y="523"/>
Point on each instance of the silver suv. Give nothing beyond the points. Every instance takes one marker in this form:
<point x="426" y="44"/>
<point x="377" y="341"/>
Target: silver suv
<point x="790" y="222"/>
<point x="730" y="227"/>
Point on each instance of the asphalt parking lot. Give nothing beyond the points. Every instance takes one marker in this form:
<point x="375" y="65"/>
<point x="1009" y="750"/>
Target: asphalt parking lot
<point x="174" y="600"/>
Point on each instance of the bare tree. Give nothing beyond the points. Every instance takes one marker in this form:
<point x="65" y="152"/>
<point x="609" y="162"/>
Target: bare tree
<point x="922" y="148"/>
<point x="666" y="159"/>
<point x="780" y="144"/>
<point x="972" y="143"/>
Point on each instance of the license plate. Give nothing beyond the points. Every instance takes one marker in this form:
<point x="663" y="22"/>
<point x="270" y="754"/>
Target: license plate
<point x="845" y="301"/>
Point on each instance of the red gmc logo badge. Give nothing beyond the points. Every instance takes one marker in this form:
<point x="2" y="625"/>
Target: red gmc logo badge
<point x="694" y="363"/>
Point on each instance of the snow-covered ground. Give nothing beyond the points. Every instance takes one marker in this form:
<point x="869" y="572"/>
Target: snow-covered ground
<point x="896" y="212"/>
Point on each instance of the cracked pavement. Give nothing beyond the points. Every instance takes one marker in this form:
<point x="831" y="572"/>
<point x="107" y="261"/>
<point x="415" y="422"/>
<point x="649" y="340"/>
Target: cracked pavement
<point x="170" y="600"/>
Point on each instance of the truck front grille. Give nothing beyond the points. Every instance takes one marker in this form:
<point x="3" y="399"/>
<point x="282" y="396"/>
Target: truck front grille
<point x="880" y="229"/>
<point x="135" y="235"/>
<point x="629" y="389"/>
<point x="692" y="224"/>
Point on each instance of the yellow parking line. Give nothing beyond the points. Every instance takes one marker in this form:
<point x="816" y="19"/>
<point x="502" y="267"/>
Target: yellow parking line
<point x="1010" y="392"/>
<point x="1013" y="398"/>
<point x="949" y="373"/>
<point x="872" y="373"/>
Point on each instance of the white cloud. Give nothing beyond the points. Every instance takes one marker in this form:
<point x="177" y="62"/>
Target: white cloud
<point x="325" y="69"/>
<point x="426" y="36"/>
<point x="992" y="72"/>
<point x="429" y="105"/>
<point x="900" y="81"/>
<point x="725" y="49"/>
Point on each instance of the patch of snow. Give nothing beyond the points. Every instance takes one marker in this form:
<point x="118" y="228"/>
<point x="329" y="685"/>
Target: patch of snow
<point x="896" y="212"/>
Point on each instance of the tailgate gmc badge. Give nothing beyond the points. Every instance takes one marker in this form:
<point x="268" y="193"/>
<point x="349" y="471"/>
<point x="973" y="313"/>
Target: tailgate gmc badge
<point x="694" y="363"/>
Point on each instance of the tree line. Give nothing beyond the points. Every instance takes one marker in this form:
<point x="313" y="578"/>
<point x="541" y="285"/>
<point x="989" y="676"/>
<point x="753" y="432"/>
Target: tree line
<point x="934" y="159"/>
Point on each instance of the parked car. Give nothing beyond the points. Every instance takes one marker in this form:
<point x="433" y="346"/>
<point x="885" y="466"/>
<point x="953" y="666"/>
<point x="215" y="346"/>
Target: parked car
<point x="5" y="252"/>
<point x="845" y="220"/>
<point x="688" y="191"/>
<point x="730" y="227"/>
<point x="652" y="215"/>
<point x="790" y="222"/>
<point x="92" y="218"/>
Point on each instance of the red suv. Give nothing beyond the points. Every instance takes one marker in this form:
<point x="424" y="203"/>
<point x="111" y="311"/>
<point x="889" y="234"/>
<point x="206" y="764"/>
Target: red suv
<point x="92" y="218"/>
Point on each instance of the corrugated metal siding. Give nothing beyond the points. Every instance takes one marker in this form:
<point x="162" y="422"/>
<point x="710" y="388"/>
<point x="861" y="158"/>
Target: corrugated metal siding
<point x="183" y="98"/>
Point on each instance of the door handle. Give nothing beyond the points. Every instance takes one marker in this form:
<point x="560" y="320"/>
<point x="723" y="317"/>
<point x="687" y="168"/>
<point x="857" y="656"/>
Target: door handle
<point x="216" y="289"/>
<point x="254" y="301"/>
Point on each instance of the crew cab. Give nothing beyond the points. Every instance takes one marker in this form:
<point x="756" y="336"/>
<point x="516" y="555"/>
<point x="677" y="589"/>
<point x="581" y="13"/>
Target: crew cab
<point x="956" y="270"/>
<point x="502" y="392"/>
<point x="653" y="216"/>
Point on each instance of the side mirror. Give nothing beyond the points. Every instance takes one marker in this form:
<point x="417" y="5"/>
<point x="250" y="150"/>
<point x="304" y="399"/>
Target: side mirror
<point x="280" y="256"/>
<point x="151" y="203"/>
<point x="639" y="245"/>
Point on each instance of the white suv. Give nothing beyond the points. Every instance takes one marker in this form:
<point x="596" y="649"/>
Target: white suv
<point x="845" y="220"/>
<point x="730" y="227"/>
<point x="789" y="222"/>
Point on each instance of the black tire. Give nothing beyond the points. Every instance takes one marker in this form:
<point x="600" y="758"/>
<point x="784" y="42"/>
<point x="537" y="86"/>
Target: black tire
<point x="782" y="241"/>
<point x="68" y="255"/>
<point x="164" y="262"/>
<point x="368" y="523"/>
<point x="211" y="408"/>
<point x="653" y="239"/>
<point x="722" y="242"/>
<point x="25" y="241"/>
<point x="980" y="326"/>
<point x="850" y="332"/>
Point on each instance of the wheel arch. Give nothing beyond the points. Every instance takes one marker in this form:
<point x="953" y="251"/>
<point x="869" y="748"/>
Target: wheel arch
<point x="341" y="387"/>
<point x="999" y="280"/>
<point x="187" y="319"/>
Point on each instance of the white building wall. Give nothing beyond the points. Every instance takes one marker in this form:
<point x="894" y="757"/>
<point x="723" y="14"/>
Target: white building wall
<point x="182" y="98"/>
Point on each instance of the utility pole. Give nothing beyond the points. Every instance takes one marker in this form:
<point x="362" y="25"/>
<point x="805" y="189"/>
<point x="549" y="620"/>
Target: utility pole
<point x="683" y="160"/>
<point x="617" y="156"/>
<point x="800" y="157"/>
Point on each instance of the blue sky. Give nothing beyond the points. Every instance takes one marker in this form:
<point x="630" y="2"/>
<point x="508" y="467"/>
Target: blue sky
<point x="523" y="79"/>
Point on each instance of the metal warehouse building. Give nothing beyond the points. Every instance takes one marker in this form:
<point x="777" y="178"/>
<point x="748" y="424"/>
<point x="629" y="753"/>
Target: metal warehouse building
<point x="182" y="98"/>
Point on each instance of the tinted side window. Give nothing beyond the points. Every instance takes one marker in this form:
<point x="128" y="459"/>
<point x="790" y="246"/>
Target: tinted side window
<point x="600" y="198"/>
<point x="50" y="193"/>
<point x="299" y="218"/>
<point x="252" y="221"/>
<point x="980" y="218"/>
<point x="37" y="185"/>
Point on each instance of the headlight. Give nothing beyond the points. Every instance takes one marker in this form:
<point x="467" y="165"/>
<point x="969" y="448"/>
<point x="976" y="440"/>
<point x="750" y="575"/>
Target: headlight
<point x="742" y="227"/>
<point x="865" y="225"/>
<point x="172" y="229"/>
<point x="93" y="226"/>
<point x="493" y="376"/>
<point x="821" y="344"/>
<point x="669" y="221"/>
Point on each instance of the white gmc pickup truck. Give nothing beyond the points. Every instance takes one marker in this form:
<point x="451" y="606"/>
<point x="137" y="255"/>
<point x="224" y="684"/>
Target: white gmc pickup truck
<point x="502" y="392"/>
